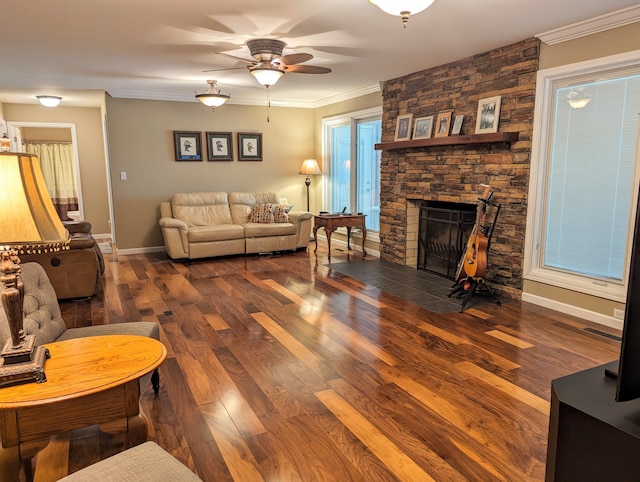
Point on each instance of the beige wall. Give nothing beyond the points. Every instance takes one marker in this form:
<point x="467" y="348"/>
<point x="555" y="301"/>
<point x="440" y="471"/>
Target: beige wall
<point x="141" y="144"/>
<point x="611" y="42"/>
<point x="90" y="152"/>
<point x="602" y="44"/>
<point x="46" y="134"/>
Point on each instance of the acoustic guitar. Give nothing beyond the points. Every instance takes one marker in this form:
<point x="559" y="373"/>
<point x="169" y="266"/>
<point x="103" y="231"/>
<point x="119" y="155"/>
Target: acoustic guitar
<point x="474" y="259"/>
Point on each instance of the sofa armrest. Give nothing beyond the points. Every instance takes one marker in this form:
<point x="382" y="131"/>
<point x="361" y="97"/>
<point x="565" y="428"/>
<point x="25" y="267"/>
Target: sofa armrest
<point x="176" y="237"/>
<point x="77" y="226"/>
<point x="296" y="217"/>
<point x="173" y="223"/>
<point x="302" y="221"/>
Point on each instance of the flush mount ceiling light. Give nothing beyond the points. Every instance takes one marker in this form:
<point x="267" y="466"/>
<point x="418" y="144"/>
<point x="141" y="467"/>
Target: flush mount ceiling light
<point x="49" y="100"/>
<point x="267" y="76"/>
<point x="402" y="8"/>
<point x="578" y="99"/>
<point x="213" y="98"/>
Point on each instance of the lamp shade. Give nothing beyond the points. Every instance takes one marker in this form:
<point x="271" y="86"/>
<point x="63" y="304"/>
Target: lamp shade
<point x="213" y="98"/>
<point x="49" y="100"/>
<point x="310" y="167"/>
<point x="267" y="76"/>
<point x="28" y="219"/>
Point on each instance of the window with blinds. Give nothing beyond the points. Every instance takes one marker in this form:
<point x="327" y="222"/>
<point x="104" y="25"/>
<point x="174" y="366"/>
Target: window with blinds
<point x="591" y="178"/>
<point x="584" y="176"/>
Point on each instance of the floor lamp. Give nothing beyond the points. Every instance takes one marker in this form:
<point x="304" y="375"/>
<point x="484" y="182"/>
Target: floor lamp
<point x="28" y="224"/>
<point x="309" y="168"/>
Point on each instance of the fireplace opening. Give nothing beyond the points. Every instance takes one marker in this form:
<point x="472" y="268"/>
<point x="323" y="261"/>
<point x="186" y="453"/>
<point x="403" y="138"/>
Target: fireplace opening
<point x="443" y="231"/>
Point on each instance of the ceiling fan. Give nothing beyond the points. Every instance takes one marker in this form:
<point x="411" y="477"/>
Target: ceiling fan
<point x="269" y="64"/>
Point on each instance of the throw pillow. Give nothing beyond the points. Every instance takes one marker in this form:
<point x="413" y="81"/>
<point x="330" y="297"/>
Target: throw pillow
<point x="280" y="213"/>
<point x="261" y="213"/>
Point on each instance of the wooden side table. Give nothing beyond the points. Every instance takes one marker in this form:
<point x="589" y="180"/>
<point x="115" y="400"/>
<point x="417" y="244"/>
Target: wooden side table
<point x="331" y="222"/>
<point x="93" y="380"/>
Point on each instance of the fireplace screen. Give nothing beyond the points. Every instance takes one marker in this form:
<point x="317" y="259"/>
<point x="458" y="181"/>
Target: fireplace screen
<point x="443" y="231"/>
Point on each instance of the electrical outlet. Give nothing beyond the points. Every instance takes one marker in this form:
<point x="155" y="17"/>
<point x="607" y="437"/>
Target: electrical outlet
<point x="618" y="314"/>
<point x="123" y="176"/>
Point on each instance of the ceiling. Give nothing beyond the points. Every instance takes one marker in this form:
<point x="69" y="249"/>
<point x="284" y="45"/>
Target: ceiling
<point x="155" y="49"/>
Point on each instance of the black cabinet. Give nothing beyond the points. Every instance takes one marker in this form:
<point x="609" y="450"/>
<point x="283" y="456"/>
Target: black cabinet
<point x="592" y="438"/>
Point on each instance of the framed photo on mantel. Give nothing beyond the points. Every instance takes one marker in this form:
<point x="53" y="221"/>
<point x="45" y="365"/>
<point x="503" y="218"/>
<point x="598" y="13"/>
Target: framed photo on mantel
<point x="457" y="125"/>
<point x="488" y="115"/>
<point x="403" y="127"/>
<point x="423" y="127"/>
<point x="443" y="124"/>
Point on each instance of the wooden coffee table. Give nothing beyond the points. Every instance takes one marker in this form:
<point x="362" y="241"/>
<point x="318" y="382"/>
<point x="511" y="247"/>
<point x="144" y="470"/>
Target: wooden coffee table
<point x="93" y="380"/>
<point x="331" y="222"/>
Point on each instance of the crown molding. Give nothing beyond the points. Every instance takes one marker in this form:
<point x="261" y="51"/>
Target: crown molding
<point x="352" y="94"/>
<point x="604" y="22"/>
<point x="131" y="94"/>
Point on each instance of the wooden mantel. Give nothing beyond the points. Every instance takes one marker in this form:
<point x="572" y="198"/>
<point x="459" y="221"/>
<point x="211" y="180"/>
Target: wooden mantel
<point x="492" y="138"/>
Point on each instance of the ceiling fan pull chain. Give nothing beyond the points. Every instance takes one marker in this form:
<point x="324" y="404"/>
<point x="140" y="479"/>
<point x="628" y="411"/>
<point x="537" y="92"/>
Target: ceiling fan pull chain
<point x="268" y="102"/>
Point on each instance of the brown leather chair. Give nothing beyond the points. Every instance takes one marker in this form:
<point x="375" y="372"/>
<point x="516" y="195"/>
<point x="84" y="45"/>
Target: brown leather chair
<point x="76" y="272"/>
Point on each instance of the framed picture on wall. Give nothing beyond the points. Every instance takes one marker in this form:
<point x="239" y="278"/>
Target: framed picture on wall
<point x="249" y="146"/>
<point x="187" y="145"/>
<point x="403" y="127"/>
<point x="219" y="146"/>
<point x="443" y="123"/>
<point x="423" y="127"/>
<point x="488" y="115"/>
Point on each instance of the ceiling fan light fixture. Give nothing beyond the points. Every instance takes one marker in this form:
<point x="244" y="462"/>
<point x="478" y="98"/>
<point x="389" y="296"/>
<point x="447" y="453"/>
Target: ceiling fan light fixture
<point x="213" y="98"/>
<point x="49" y="100"/>
<point x="402" y="8"/>
<point x="266" y="76"/>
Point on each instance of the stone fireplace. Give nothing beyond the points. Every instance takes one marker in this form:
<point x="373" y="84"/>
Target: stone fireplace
<point x="454" y="173"/>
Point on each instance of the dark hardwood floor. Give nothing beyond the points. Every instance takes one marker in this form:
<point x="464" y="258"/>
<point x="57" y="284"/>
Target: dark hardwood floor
<point x="280" y="368"/>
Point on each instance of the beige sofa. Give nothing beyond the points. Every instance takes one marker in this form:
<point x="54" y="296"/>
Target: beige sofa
<point x="207" y="224"/>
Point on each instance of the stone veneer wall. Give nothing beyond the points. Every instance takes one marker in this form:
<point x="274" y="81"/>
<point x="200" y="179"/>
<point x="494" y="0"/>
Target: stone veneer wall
<point x="454" y="173"/>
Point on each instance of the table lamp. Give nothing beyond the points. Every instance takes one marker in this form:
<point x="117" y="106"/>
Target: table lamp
<point x="309" y="168"/>
<point x="28" y="224"/>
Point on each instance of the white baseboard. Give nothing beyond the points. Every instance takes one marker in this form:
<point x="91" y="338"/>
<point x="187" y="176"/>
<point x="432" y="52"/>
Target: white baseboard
<point x="150" y="249"/>
<point x="343" y="244"/>
<point x="599" y="318"/>
<point x="160" y="249"/>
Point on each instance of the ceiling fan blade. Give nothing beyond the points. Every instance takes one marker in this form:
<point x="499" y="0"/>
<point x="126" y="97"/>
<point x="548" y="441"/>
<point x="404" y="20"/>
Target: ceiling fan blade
<point x="226" y="68"/>
<point x="306" y="69"/>
<point x="237" y="58"/>
<point x="294" y="59"/>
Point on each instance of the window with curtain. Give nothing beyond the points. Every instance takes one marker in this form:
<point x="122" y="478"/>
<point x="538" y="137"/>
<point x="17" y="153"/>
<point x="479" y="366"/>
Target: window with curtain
<point x="353" y="175"/>
<point x="57" y="164"/>
<point x="584" y="177"/>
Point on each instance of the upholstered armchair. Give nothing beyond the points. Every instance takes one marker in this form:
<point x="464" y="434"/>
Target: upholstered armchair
<point x="42" y="317"/>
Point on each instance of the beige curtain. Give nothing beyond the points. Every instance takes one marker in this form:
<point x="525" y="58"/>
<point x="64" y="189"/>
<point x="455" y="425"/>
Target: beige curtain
<point x="56" y="161"/>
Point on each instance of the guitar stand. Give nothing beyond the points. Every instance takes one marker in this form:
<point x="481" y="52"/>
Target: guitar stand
<point x="469" y="287"/>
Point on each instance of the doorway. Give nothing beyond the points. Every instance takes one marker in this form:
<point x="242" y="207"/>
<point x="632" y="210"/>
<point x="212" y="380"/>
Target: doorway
<point x="56" y="147"/>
